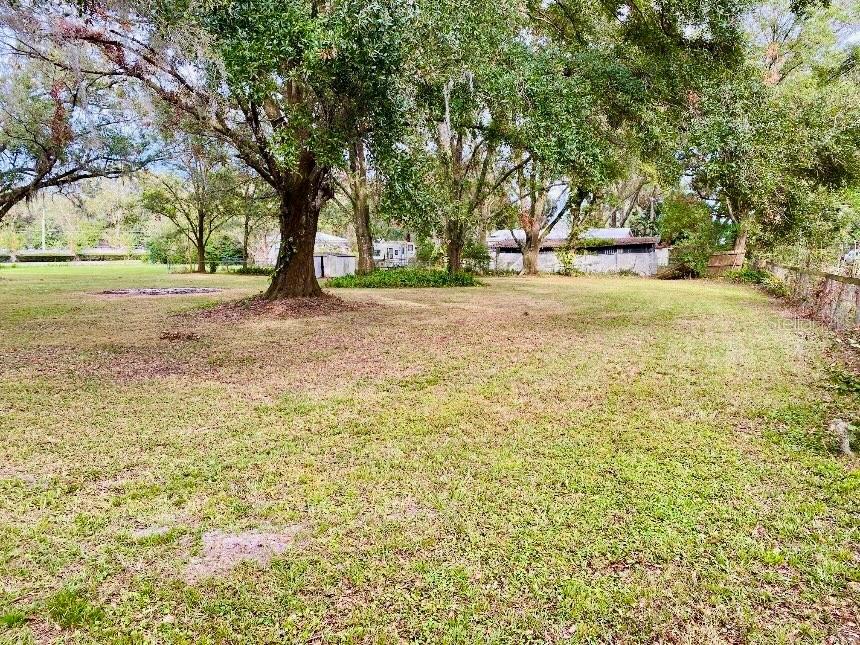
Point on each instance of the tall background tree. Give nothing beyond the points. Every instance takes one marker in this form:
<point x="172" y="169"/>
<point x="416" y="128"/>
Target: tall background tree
<point x="775" y="147"/>
<point x="59" y="127"/>
<point x="199" y="196"/>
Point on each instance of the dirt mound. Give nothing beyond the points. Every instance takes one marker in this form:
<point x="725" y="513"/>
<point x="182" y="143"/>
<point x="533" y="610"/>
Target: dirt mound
<point x="257" y="306"/>
<point x="166" y="291"/>
<point x="678" y="271"/>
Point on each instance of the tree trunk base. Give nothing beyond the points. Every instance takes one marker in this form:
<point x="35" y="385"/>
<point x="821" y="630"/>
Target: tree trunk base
<point x="282" y="289"/>
<point x="295" y="275"/>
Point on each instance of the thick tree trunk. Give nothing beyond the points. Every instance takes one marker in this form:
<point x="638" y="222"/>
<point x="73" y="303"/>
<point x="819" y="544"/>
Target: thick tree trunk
<point x="361" y="207"/>
<point x="531" y="253"/>
<point x="741" y="242"/>
<point x="201" y="256"/>
<point x="456" y="242"/>
<point x="200" y="241"/>
<point x="300" y="207"/>
<point x="455" y="256"/>
<point x="363" y="236"/>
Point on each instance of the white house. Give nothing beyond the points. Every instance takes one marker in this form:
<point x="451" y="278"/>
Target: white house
<point x="598" y="250"/>
<point x="393" y="253"/>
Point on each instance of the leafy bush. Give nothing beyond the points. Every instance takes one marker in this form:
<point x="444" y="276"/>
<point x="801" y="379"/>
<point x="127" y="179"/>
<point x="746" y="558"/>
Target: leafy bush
<point x="170" y="248"/>
<point x="476" y="257"/>
<point x="428" y="253"/>
<point x="765" y="279"/>
<point x="775" y="286"/>
<point x="567" y="257"/>
<point x="404" y="278"/>
<point x="223" y="249"/>
<point x="746" y="275"/>
<point x="254" y="270"/>
<point x="689" y="226"/>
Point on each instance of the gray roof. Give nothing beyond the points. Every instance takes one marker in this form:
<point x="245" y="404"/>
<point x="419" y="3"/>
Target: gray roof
<point x="606" y="233"/>
<point x="327" y="238"/>
<point x="558" y="236"/>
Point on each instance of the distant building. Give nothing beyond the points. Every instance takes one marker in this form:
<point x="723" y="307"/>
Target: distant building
<point x="332" y="255"/>
<point x="393" y="253"/>
<point x="267" y="253"/>
<point x="598" y="250"/>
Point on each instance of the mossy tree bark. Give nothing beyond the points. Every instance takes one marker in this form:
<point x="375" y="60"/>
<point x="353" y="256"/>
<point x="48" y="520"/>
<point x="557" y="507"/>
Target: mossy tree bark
<point x="301" y="203"/>
<point x="359" y="195"/>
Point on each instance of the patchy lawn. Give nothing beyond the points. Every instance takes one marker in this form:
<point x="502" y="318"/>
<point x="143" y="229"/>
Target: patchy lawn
<point x="564" y="460"/>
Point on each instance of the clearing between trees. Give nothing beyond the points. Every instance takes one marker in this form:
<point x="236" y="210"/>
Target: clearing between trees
<point x="549" y="459"/>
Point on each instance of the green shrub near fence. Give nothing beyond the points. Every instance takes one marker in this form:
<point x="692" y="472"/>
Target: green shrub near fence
<point x="253" y="270"/>
<point x="404" y="278"/>
<point x="746" y="274"/>
<point x="765" y="279"/>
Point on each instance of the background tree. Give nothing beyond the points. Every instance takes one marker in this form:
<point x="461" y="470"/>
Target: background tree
<point x="198" y="197"/>
<point x="59" y="127"/>
<point x="465" y="90"/>
<point x="360" y="192"/>
<point x="255" y="207"/>
<point x="777" y="154"/>
<point x="537" y="210"/>
<point x="694" y="232"/>
<point x="628" y="75"/>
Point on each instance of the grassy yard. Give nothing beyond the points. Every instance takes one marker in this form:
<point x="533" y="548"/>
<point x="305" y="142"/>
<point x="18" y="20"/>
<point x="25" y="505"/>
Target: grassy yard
<point x="562" y="460"/>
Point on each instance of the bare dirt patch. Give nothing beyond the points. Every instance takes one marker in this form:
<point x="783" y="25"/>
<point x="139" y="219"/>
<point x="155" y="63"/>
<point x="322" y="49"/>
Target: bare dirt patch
<point x="166" y="291"/>
<point x="407" y="509"/>
<point x="150" y="532"/>
<point x="223" y="551"/>
<point x="257" y="306"/>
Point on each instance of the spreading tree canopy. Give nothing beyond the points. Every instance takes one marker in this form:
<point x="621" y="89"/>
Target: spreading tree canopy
<point x="287" y="84"/>
<point x="59" y="127"/>
<point x="775" y="146"/>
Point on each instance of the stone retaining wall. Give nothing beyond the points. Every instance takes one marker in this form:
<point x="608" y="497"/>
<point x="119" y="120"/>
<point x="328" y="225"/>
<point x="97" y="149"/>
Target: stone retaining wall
<point x="833" y="299"/>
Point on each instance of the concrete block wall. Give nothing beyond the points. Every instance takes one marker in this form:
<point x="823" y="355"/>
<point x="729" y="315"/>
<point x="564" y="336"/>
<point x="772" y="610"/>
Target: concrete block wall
<point x="642" y="263"/>
<point x="833" y="299"/>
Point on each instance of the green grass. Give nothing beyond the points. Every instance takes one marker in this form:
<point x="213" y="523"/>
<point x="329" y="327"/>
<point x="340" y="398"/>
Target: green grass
<point x="70" y="608"/>
<point x="403" y="279"/>
<point x="14" y="618"/>
<point x="550" y="459"/>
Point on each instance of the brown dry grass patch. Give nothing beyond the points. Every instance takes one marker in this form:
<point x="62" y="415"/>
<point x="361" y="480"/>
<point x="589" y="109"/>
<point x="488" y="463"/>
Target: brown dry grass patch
<point x="260" y="307"/>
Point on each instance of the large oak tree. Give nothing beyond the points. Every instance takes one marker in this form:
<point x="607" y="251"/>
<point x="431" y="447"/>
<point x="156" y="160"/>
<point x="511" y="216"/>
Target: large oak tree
<point x="288" y="84"/>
